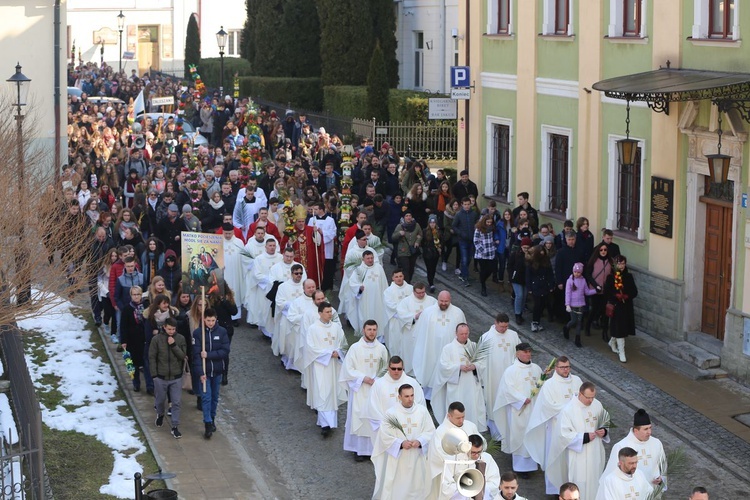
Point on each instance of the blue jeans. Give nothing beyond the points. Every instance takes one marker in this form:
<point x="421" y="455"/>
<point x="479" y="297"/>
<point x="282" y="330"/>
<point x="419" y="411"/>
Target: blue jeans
<point x="210" y="397"/>
<point x="464" y="247"/>
<point x="146" y="368"/>
<point x="518" y="303"/>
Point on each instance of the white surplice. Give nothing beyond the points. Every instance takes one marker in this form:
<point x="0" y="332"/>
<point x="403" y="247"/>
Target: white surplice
<point x="352" y="261"/>
<point x="434" y="330"/>
<point x="363" y="359"/>
<point x="553" y="396"/>
<point x="406" y="314"/>
<point x="617" y="485"/>
<point x="402" y="474"/>
<point x="285" y="295"/>
<point x="391" y="331"/>
<point x="509" y="413"/>
<point x="384" y="395"/>
<point x="450" y="384"/>
<point x="650" y="455"/>
<point x="367" y="304"/>
<point x="436" y="457"/>
<point x="234" y="270"/>
<point x="326" y="393"/>
<point x="502" y="354"/>
<point x="258" y="306"/>
<point x="585" y="461"/>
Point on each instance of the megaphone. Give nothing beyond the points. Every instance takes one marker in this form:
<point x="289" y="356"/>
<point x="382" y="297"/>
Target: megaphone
<point x="139" y="142"/>
<point x="455" y="441"/>
<point x="136" y="128"/>
<point x="469" y="482"/>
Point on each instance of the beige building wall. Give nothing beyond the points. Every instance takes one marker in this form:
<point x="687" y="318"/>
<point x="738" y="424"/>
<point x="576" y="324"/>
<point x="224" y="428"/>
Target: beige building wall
<point x="27" y="29"/>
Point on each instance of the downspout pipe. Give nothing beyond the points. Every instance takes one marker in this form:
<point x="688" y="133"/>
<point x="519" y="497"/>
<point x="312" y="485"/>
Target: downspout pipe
<point x="58" y="125"/>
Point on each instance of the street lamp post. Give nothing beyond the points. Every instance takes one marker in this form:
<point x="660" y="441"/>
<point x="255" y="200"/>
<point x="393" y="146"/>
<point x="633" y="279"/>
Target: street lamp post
<point x="20" y="85"/>
<point x="101" y="53"/>
<point x="221" y="40"/>
<point x="120" y="26"/>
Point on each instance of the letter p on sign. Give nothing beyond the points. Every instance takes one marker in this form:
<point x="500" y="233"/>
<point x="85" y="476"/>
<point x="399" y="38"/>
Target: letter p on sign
<point x="460" y="76"/>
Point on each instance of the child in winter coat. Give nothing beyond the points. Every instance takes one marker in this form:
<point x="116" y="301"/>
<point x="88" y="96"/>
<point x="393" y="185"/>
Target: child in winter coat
<point x="576" y="291"/>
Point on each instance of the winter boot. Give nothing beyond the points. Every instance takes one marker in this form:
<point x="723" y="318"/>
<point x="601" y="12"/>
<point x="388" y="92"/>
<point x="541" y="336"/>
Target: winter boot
<point x="578" y="341"/>
<point x="605" y="335"/>
<point x="621" y="350"/>
<point x="484" y="290"/>
<point x="534" y="326"/>
<point x="613" y="345"/>
<point x="519" y="319"/>
<point x="566" y="332"/>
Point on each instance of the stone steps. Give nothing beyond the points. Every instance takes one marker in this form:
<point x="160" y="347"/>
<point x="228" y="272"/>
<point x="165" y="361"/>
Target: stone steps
<point x="685" y="367"/>
<point x="693" y="354"/>
<point x="706" y="342"/>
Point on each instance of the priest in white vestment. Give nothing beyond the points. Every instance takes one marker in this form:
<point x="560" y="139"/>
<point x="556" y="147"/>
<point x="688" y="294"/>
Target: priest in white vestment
<point x="449" y="488"/>
<point x="362" y="362"/>
<point x="626" y="480"/>
<point x="309" y="317"/>
<point x="407" y="313"/>
<point x="291" y="347"/>
<point x="556" y="392"/>
<point x="435" y="329"/>
<point x="352" y="261"/>
<point x="650" y="450"/>
<point x="500" y="342"/>
<point x="579" y="440"/>
<point x="323" y="354"/>
<point x="246" y="209"/>
<point x="373" y="241"/>
<point x="397" y="291"/>
<point x="384" y="392"/>
<point x="399" y="455"/>
<point x="456" y="379"/>
<point x="254" y="247"/>
<point x="234" y="266"/>
<point x="286" y="293"/>
<point x="514" y="403"/>
<point x="258" y="306"/>
<point x="367" y="283"/>
<point x="436" y="456"/>
<point x="327" y="227"/>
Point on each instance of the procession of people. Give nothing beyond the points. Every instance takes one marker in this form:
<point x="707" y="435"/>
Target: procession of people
<point x="296" y="242"/>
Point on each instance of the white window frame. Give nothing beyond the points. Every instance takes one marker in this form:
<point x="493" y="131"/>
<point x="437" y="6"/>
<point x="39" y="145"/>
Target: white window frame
<point x="547" y="131"/>
<point x="418" y="59"/>
<point x="616" y="9"/>
<point x="700" y="21"/>
<point x="236" y="45"/>
<point x="489" y="169"/>
<point x="493" y="8"/>
<point x="613" y="184"/>
<point x="548" y="22"/>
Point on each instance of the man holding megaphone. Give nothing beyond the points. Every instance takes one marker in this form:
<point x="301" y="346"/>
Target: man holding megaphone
<point x="478" y="479"/>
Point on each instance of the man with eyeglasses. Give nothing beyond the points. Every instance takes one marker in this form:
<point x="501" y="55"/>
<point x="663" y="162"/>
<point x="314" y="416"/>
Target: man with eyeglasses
<point x="363" y="362"/>
<point x="483" y="461"/>
<point x="578" y="441"/>
<point x="384" y="392"/>
<point x="569" y="491"/>
<point x="287" y="291"/>
<point x="556" y="392"/>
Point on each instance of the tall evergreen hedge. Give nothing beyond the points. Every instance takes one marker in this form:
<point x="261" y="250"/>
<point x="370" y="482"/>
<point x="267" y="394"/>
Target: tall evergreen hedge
<point x="192" y="46"/>
<point x="377" y="87"/>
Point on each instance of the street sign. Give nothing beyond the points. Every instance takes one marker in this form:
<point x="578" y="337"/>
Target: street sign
<point x="460" y="94"/>
<point x="128" y="55"/>
<point x="442" y="109"/>
<point x="460" y="76"/>
<point x="381" y="131"/>
<point x="162" y="101"/>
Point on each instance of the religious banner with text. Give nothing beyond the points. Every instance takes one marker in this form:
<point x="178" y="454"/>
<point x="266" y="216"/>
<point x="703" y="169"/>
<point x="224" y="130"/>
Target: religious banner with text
<point x="202" y="262"/>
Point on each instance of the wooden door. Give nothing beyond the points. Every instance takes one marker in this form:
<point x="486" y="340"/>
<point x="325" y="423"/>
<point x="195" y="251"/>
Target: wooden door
<point x="145" y="54"/>
<point x="717" y="274"/>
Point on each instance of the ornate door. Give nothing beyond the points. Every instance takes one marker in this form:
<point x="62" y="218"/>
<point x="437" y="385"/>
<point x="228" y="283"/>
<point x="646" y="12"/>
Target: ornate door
<point x="717" y="275"/>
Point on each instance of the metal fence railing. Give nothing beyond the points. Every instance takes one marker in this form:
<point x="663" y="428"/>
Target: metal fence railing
<point x="22" y="472"/>
<point x="436" y="140"/>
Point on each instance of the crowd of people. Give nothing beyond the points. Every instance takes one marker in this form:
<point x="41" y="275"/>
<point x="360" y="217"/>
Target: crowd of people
<point x="313" y="209"/>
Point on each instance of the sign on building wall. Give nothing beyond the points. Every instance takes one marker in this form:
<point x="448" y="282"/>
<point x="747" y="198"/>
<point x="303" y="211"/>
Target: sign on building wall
<point x="662" y="206"/>
<point x="460" y="76"/>
<point x="442" y="109"/>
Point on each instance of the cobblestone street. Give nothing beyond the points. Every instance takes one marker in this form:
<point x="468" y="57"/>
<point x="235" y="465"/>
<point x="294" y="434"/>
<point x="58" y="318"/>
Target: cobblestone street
<point x="265" y="408"/>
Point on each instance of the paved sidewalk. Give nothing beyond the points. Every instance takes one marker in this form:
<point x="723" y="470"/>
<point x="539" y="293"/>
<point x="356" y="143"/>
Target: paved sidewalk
<point x="215" y="469"/>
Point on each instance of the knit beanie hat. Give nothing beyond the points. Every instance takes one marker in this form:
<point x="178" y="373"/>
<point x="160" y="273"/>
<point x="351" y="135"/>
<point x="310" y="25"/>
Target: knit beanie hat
<point x="641" y="418"/>
<point x="577" y="267"/>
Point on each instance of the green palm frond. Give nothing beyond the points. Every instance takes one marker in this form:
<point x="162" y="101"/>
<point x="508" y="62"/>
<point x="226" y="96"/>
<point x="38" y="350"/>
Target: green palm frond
<point x="493" y="447"/>
<point x="674" y="463"/>
<point x="605" y="420"/>
<point x="392" y="422"/>
<point x="477" y="352"/>
<point x="382" y="368"/>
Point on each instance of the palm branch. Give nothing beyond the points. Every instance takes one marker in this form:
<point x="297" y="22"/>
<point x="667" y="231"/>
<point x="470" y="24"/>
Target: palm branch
<point x="492" y="447"/>
<point x="247" y="254"/>
<point x="382" y="368"/>
<point x="476" y="352"/>
<point x="673" y="463"/>
<point x="394" y="423"/>
<point x="605" y="420"/>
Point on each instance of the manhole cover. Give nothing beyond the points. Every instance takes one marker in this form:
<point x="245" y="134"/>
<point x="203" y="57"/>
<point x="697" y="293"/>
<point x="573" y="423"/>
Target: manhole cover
<point x="743" y="418"/>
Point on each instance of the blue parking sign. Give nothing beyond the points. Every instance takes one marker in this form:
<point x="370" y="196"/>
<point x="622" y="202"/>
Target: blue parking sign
<point x="460" y="76"/>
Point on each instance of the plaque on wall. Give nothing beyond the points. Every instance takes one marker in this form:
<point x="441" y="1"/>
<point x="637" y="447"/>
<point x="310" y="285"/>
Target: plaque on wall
<point x="662" y="206"/>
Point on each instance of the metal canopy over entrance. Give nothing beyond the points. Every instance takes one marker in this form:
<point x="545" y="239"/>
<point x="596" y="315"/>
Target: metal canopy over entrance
<point x="660" y="87"/>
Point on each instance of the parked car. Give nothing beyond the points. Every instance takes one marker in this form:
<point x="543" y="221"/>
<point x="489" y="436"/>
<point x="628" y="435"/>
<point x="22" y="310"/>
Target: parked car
<point x="187" y="127"/>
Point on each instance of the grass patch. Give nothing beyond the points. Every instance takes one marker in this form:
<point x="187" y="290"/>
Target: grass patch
<point x="78" y="465"/>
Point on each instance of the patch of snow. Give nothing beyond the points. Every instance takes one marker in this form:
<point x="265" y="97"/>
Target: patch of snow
<point x="88" y="385"/>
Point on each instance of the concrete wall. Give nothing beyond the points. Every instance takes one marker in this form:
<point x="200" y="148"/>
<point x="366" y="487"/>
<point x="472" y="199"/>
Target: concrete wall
<point x="733" y="358"/>
<point x="658" y="307"/>
<point x="26" y="37"/>
<point x="436" y="19"/>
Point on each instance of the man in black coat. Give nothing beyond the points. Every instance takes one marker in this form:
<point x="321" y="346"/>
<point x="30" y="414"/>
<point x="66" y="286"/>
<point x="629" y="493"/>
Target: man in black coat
<point x="464" y="187"/>
<point x="169" y="230"/>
